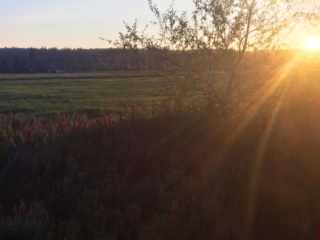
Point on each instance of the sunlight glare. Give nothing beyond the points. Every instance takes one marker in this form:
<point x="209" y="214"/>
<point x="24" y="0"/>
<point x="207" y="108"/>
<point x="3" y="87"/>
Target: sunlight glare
<point x="312" y="44"/>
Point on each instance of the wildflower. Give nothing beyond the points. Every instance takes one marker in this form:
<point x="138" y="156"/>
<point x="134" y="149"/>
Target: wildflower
<point x="76" y="125"/>
<point x="174" y="207"/>
<point x="108" y="191"/>
<point x="116" y="178"/>
<point x="16" y="157"/>
<point x="133" y="108"/>
<point x="53" y="130"/>
<point x="12" y="144"/>
<point x="49" y="166"/>
<point x="8" y="165"/>
<point x="75" y="166"/>
<point x="23" y="179"/>
<point x="22" y="209"/>
<point x="82" y="175"/>
<point x="105" y="119"/>
<point x="193" y="198"/>
<point x="23" y="162"/>
<point x="15" y="211"/>
<point x="183" y="209"/>
<point x="36" y="156"/>
<point x="86" y="190"/>
<point x="163" y="194"/>
<point x="146" y="108"/>
<point x="39" y="181"/>
<point x="97" y="214"/>
<point x="100" y="211"/>
<point x="29" y="215"/>
<point x="30" y="149"/>
<point x="70" y="159"/>
<point x="96" y="193"/>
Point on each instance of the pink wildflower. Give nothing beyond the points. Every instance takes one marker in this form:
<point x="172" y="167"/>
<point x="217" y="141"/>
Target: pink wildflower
<point x="49" y="166"/>
<point x="12" y="144"/>
<point x="100" y="211"/>
<point x="174" y="207"/>
<point x="133" y="108"/>
<point x="15" y="211"/>
<point x="8" y="165"/>
<point x="29" y="215"/>
<point x="22" y="208"/>
<point x="70" y="159"/>
<point x="101" y="208"/>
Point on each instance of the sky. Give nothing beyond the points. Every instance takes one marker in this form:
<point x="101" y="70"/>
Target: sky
<point x="72" y="23"/>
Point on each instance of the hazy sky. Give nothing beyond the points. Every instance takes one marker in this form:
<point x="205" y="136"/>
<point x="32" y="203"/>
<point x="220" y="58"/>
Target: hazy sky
<point x="72" y="23"/>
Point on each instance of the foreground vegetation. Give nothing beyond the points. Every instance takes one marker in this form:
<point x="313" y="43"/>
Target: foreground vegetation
<point x="232" y="154"/>
<point x="189" y="174"/>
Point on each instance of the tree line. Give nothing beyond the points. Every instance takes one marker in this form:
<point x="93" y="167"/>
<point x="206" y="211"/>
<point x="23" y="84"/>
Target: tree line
<point x="53" y="60"/>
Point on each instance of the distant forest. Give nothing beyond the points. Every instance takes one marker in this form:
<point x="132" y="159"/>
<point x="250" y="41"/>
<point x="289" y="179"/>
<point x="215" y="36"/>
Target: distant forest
<point x="53" y="60"/>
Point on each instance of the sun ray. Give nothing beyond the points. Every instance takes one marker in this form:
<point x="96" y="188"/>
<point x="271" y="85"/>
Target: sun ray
<point x="253" y="189"/>
<point x="263" y="95"/>
<point x="255" y="178"/>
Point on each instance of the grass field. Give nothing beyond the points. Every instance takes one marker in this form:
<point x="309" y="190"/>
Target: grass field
<point x="48" y="97"/>
<point x="80" y="75"/>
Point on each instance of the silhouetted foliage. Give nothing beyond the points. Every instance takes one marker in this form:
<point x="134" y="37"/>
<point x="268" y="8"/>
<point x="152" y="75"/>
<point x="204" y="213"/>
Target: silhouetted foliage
<point x="204" y="51"/>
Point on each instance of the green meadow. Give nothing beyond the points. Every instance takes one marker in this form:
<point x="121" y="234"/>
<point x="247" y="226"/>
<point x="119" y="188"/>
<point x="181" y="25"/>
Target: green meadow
<point x="49" y="97"/>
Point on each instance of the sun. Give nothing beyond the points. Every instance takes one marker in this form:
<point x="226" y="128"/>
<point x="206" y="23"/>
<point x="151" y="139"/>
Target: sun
<point x="312" y="44"/>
